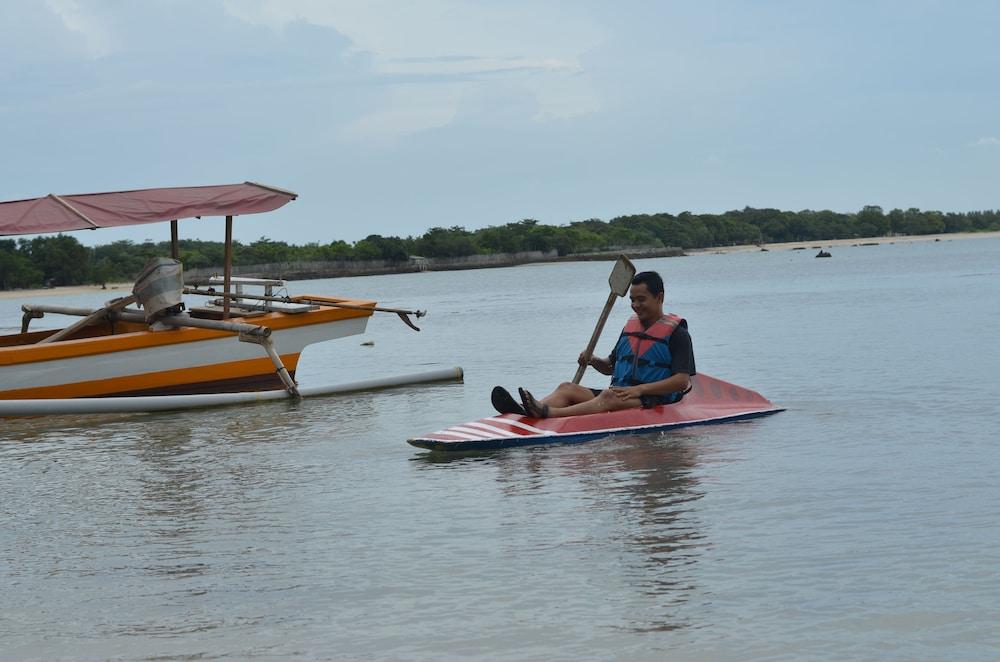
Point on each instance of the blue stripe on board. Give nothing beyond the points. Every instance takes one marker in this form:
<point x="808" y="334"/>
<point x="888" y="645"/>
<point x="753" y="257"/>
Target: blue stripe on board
<point x="574" y="438"/>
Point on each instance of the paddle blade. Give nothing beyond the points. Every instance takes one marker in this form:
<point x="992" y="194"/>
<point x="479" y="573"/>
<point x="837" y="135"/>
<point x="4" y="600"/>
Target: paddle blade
<point x="619" y="280"/>
<point x="621" y="276"/>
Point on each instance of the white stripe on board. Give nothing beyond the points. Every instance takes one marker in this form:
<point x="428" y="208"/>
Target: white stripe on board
<point x="490" y="428"/>
<point x="480" y="433"/>
<point x="519" y="424"/>
<point x="459" y="435"/>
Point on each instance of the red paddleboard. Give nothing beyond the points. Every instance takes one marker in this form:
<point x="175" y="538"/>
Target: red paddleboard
<point x="710" y="401"/>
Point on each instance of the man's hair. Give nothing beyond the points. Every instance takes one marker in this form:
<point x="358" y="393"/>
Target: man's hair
<point x="652" y="281"/>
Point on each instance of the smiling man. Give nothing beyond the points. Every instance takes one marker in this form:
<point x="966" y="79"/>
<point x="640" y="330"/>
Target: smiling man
<point x="652" y="364"/>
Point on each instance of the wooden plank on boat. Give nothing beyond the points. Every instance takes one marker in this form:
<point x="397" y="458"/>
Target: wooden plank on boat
<point x="216" y="313"/>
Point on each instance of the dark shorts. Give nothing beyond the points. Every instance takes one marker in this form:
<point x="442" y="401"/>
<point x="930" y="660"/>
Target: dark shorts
<point x="656" y="400"/>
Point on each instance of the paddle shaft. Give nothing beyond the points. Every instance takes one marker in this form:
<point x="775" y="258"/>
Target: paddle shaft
<point x="589" y="352"/>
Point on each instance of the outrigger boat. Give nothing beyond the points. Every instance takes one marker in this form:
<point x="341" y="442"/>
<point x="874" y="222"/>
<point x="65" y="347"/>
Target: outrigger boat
<point x="235" y="342"/>
<point x="709" y="401"/>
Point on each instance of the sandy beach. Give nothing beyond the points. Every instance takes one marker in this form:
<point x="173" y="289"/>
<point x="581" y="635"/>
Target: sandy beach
<point x="832" y="243"/>
<point x="113" y="290"/>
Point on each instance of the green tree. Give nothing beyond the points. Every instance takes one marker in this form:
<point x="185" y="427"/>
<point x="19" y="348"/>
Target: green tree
<point x="871" y="222"/>
<point x="920" y="222"/>
<point x="263" y="251"/>
<point x="452" y="242"/>
<point x="16" y="270"/>
<point x="896" y="221"/>
<point x="61" y="259"/>
<point x="337" y="251"/>
<point x="377" y="247"/>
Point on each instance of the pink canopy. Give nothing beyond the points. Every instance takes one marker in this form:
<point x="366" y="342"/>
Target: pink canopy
<point x="62" y="213"/>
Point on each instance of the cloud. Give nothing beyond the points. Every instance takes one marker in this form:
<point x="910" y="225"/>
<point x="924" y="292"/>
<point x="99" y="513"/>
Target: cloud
<point x="989" y="141"/>
<point x="182" y="92"/>
<point x="33" y="38"/>
<point x="407" y="109"/>
<point x="455" y="49"/>
<point x="96" y="34"/>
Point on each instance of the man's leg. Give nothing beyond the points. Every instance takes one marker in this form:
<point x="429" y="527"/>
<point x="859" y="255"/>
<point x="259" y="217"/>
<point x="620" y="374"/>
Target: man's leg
<point x="608" y="400"/>
<point x="567" y="394"/>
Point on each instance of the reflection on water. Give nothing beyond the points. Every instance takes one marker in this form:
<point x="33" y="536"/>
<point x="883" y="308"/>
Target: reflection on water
<point x="664" y="525"/>
<point x="639" y="491"/>
<point x="651" y="486"/>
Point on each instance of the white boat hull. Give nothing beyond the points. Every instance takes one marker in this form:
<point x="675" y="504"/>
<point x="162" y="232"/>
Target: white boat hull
<point x="174" y="361"/>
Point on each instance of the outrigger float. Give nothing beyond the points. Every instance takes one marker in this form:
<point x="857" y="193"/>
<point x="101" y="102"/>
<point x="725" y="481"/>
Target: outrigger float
<point x="709" y="401"/>
<point x="233" y="347"/>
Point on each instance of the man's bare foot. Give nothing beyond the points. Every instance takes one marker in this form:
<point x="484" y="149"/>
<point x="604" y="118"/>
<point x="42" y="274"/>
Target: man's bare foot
<point x="534" y="408"/>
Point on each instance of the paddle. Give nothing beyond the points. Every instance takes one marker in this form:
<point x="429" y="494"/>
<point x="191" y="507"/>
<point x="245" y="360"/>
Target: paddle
<point x="619" y="280"/>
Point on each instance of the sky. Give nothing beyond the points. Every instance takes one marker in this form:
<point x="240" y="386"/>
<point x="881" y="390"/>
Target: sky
<point x="393" y="117"/>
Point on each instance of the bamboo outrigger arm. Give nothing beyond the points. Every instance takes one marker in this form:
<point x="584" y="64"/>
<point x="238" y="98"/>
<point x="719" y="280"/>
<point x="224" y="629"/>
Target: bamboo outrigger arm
<point x="133" y="315"/>
<point x="93" y="318"/>
<point x="29" y="314"/>
<point x="282" y="372"/>
<point x="403" y="313"/>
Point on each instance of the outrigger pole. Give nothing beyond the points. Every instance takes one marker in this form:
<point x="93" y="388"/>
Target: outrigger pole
<point x="403" y="313"/>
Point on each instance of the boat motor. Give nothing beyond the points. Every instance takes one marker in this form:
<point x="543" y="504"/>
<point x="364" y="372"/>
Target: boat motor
<point x="159" y="288"/>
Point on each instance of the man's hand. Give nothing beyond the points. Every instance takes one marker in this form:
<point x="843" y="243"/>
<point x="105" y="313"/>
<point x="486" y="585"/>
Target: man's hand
<point x="626" y="392"/>
<point x="599" y="364"/>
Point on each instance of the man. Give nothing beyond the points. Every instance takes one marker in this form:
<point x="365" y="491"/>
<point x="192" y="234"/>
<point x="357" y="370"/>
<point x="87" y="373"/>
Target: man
<point x="652" y="364"/>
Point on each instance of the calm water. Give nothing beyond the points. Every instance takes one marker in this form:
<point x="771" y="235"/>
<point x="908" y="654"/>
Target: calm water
<point x="860" y="524"/>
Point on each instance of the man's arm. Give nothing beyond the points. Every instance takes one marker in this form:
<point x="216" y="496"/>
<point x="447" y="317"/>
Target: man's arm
<point x="679" y="381"/>
<point x="605" y="366"/>
<point x="682" y="352"/>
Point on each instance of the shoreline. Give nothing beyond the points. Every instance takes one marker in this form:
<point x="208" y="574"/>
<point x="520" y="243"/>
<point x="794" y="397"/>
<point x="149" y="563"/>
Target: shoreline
<point x="832" y="243"/>
<point x="115" y="290"/>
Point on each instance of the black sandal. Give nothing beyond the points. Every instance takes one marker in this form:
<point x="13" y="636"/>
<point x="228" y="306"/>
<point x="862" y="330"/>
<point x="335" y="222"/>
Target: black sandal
<point x="505" y="403"/>
<point x="534" y="408"/>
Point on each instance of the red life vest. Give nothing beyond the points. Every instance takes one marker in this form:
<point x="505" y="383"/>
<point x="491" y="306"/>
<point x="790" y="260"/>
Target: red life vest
<point x="642" y="356"/>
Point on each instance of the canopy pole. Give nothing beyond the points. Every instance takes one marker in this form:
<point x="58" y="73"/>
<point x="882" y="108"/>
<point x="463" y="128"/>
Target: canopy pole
<point x="73" y="210"/>
<point x="228" y="273"/>
<point x="174" y="251"/>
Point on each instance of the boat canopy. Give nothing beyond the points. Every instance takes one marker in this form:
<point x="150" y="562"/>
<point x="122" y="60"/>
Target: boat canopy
<point x="89" y="211"/>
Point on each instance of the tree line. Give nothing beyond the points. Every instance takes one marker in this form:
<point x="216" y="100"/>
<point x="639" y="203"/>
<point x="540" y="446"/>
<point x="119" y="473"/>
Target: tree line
<point x="62" y="260"/>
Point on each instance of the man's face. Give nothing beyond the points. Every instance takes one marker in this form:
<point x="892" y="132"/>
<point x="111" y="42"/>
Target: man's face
<point x="648" y="308"/>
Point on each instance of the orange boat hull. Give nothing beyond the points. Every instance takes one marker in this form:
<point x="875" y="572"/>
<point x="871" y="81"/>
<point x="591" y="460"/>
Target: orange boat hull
<point x="136" y="361"/>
